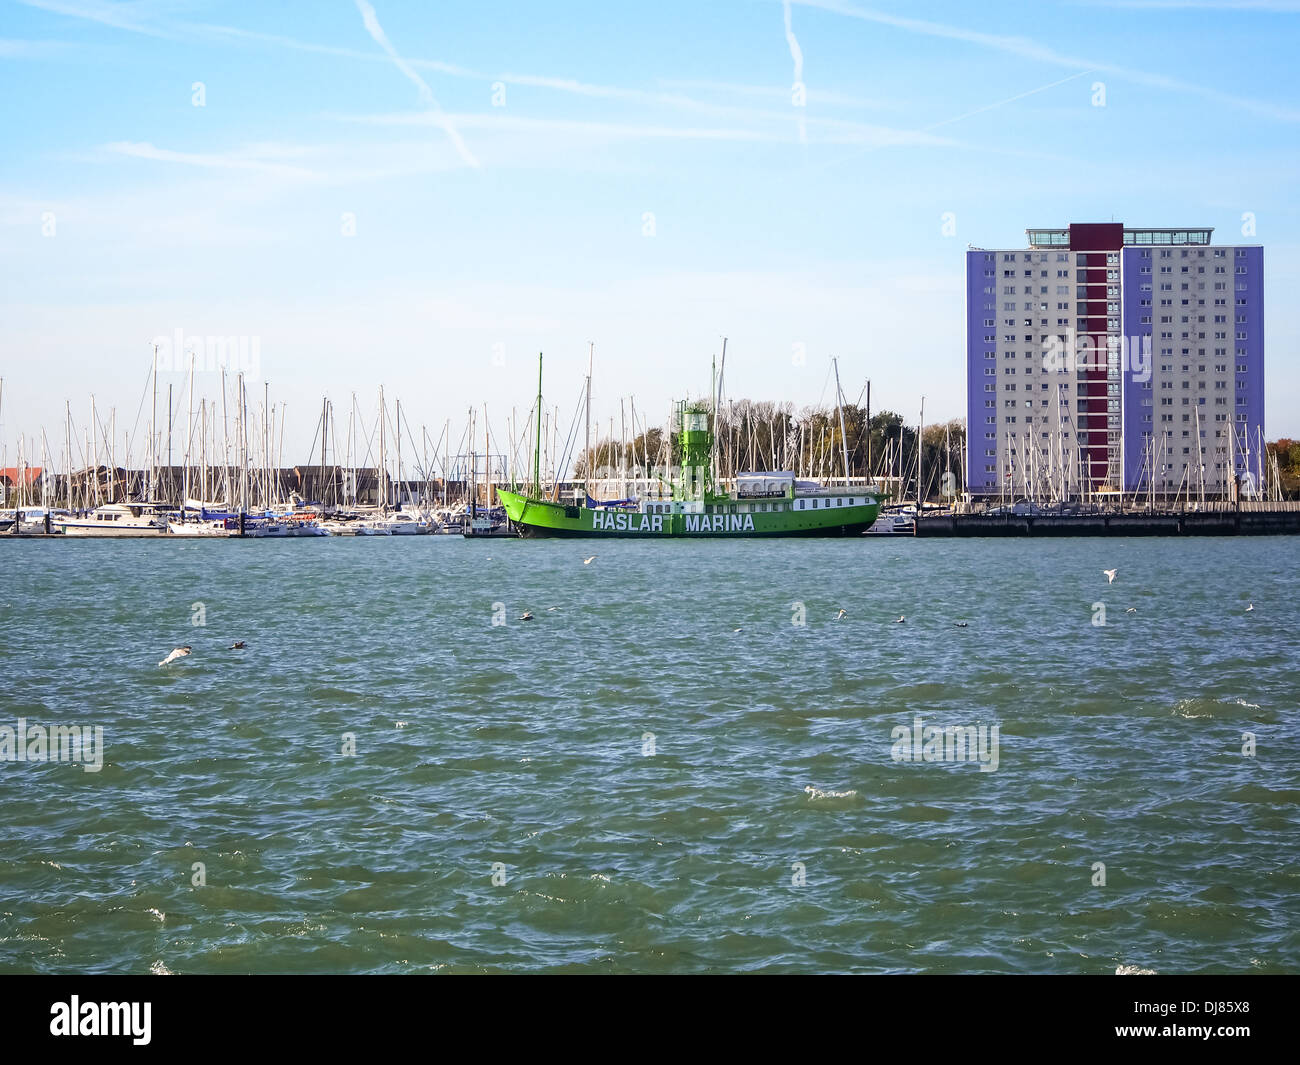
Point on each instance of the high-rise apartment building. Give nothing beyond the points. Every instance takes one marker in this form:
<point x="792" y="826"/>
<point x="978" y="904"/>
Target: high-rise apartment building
<point x="1103" y="359"/>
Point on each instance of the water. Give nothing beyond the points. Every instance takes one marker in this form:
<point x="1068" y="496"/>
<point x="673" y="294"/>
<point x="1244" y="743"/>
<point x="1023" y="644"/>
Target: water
<point x="525" y="744"/>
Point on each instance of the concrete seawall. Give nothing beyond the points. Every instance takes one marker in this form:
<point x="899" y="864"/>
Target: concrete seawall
<point x="1214" y="523"/>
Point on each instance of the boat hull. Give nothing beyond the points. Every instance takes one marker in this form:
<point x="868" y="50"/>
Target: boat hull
<point x="534" y="518"/>
<point x="91" y="532"/>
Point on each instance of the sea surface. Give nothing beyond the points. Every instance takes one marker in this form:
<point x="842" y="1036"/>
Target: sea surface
<point x="663" y="771"/>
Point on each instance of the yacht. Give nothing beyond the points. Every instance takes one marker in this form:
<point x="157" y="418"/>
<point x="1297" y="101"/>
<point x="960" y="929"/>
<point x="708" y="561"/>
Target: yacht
<point x="115" y="519"/>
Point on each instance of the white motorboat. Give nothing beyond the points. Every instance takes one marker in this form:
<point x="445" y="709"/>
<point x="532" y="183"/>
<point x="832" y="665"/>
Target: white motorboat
<point x="203" y="527"/>
<point x="116" y="519"/>
<point x="401" y="524"/>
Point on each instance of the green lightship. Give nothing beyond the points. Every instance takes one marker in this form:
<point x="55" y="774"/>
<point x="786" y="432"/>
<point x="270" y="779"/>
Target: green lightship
<point x="691" y="504"/>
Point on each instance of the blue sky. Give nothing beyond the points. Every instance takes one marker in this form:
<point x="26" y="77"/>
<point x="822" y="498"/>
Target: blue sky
<point x="501" y="161"/>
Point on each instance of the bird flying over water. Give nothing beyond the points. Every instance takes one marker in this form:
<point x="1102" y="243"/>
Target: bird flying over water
<point x="1110" y="575"/>
<point x="1250" y="608"/>
<point x="179" y="652"/>
<point x="1131" y="610"/>
<point x="589" y="561"/>
<point x="238" y="645"/>
<point x="842" y="614"/>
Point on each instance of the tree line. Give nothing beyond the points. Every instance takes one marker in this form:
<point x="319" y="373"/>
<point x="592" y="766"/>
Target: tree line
<point x="812" y="442"/>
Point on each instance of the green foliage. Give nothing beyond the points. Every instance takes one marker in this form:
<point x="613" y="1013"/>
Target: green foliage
<point x="763" y="435"/>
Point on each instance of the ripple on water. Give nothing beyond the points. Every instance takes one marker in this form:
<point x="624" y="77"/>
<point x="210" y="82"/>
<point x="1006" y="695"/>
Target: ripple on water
<point x="502" y="808"/>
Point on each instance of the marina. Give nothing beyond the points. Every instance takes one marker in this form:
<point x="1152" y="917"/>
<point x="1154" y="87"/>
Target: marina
<point x="720" y="467"/>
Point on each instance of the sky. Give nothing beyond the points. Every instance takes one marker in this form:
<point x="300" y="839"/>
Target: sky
<point x="422" y="195"/>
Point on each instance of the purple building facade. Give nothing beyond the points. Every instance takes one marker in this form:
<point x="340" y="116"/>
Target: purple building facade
<point x="981" y="392"/>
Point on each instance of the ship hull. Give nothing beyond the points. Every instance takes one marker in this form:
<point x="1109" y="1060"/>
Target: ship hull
<point x="724" y="520"/>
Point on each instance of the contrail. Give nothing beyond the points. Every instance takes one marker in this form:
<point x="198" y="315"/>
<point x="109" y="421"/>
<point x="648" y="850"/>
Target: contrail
<point x="796" y="53"/>
<point x="1000" y="103"/>
<point x="376" y="31"/>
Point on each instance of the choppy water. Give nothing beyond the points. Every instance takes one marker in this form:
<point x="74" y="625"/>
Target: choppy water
<point x="525" y="744"/>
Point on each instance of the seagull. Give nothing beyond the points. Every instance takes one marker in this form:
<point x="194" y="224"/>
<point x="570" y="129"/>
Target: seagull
<point x="179" y="652"/>
<point x="1131" y="610"/>
<point x="550" y="608"/>
<point x="900" y="620"/>
<point x="1250" y="608"/>
<point x="842" y="614"/>
<point x="961" y="624"/>
<point x="238" y="645"/>
<point x="1110" y="575"/>
<point x="527" y="615"/>
<point x="589" y="561"/>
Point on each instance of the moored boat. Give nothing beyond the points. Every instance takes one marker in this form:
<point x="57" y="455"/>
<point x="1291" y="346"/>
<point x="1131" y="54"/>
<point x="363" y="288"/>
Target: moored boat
<point x="764" y="504"/>
<point x="115" y="519"/>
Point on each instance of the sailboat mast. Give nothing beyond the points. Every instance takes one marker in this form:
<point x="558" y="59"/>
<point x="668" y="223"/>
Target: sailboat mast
<point x="591" y="358"/>
<point x="868" y="470"/>
<point x="717" y="390"/>
<point x="839" y="399"/>
<point x="153" y="430"/>
<point x="920" y="433"/>
<point x="537" y="451"/>
<point x="324" y="430"/>
<point x="487" y="458"/>
<point x="383" y="456"/>
<point x="67" y="441"/>
<point x="189" y="434"/>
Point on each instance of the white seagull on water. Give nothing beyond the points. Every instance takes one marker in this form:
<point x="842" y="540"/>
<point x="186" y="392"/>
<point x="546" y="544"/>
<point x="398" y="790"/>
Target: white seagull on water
<point x="1110" y="575"/>
<point x="179" y="652"/>
<point x="589" y="561"/>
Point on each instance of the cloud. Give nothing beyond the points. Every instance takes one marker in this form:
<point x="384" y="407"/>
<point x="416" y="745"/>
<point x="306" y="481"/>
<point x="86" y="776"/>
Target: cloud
<point x="796" y="53"/>
<point x="836" y="131"/>
<point x="1277" y="6"/>
<point x="255" y="159"/>
<point x="1027" y="48"/>
<point x="819" y="96"/>
<point x="14" y="49"/>
<point x="376" y="31"/>
<point x="119" y="16"/>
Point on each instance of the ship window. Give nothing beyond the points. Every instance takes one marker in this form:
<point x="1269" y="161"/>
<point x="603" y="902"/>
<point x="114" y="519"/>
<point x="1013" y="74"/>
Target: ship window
<point x="801" y="503"/>
<point x="839" y="502"/>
